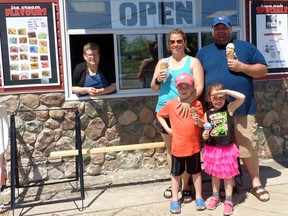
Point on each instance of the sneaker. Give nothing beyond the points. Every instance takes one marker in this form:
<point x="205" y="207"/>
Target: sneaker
<point x="213" y="203"/>
<point x="175" y="207"/>
<point x="200" y="204"/>
<point x="228" y="208"/>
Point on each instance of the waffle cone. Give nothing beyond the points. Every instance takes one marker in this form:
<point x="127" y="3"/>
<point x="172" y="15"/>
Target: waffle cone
<point x="230" y="51"/>
<point x="230" y="54"/>
<point x="164" y="65"/>
<point x="193" y="110"/>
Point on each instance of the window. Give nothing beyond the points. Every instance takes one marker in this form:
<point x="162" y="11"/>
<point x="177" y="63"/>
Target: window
<point x="89" y="14"/>
<point x="107" y="61"/>
<point x="129" y="31"/>
<point x="213" y="8"/>
<point x="138" y="56"/>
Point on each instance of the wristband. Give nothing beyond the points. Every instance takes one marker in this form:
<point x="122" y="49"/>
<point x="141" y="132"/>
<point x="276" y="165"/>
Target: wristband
<point x="157" y="82"/>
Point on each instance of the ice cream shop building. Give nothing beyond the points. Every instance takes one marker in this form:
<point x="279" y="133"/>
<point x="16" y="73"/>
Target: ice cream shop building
<point x="42" y="41"/>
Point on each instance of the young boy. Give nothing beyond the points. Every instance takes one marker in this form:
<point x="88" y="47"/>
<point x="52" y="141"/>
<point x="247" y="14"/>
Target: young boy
<point x="185" y="139"/>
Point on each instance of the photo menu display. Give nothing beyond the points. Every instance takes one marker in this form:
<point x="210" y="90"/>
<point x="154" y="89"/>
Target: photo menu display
<point x="28" y="45"/>
<point x="28" y="48"/>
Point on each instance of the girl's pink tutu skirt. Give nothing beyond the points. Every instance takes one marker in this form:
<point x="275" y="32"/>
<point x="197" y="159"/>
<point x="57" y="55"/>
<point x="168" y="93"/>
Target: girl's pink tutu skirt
<point x="221" y="161"/>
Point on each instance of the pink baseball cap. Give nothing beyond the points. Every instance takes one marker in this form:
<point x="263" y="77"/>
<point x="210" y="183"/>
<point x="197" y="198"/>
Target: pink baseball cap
<point x="184" y="78"/>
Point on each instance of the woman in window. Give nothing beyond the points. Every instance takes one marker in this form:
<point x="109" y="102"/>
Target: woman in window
<point x="87" y="78"/>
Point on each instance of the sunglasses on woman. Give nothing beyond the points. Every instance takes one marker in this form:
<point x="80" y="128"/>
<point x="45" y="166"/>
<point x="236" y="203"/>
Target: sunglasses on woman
<point x="177" y="41"/>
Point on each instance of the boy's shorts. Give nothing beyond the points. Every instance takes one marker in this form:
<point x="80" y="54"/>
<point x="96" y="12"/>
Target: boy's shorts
<point x="159" y="126"/>
<point x="190" y="164"/>
<point x="246" y="135"/>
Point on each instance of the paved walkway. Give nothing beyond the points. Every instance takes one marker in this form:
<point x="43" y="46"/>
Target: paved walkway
<point x="139" y="193"/>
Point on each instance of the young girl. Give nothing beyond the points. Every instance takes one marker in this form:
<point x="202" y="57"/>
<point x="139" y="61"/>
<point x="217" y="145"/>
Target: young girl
<point x="220" y="152"/>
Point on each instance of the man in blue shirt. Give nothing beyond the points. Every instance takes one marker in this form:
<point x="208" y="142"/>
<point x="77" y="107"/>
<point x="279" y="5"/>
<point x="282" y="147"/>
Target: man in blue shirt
<point x="237" y="74"/>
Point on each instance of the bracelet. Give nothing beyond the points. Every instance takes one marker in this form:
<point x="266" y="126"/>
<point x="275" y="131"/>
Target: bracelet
<point x="157" y="82"/>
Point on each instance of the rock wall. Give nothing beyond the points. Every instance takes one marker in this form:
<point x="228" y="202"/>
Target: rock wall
<point x="46" y="122"/>
<point x="272" y="116"/>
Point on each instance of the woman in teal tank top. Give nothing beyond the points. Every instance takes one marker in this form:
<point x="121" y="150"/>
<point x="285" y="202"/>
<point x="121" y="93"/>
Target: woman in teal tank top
<point x="168" y="89"/>
<point x="164" y="82"/>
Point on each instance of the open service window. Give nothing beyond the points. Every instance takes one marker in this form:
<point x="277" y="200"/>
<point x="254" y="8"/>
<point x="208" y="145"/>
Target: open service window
<point x="105" y="42"/>
<point x="132" y="35"/>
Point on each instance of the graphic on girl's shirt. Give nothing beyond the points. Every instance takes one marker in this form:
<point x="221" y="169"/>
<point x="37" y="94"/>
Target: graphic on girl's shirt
<point x="219" y="123"/>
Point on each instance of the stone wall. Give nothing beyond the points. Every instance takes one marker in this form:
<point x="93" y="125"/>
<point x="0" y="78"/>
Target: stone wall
<point x="272" y="116"/>
<point x="46" y="123"/>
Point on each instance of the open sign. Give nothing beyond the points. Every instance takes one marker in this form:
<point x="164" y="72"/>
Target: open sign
<point x="151" y="14"/>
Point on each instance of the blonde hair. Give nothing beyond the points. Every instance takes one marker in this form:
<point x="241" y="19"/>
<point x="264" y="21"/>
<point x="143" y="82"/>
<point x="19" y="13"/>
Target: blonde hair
<point x="92" y="46"/>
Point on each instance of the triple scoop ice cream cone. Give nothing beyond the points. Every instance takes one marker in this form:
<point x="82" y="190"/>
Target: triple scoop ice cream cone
<point x="163" y="67"/>
<point x="230" y="53"/>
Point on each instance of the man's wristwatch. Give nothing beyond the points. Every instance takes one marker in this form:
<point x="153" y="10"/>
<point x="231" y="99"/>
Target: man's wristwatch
<point x="157" y="82"/>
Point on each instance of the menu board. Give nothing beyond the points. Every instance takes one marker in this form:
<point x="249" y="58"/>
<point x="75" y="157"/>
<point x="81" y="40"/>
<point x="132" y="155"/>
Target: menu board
<point x="269" y="30"/>
<point x="30" y="50"/>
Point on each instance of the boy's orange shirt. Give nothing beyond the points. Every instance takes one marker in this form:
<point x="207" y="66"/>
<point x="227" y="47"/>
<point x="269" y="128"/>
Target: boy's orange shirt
<point x="185" y="133"/>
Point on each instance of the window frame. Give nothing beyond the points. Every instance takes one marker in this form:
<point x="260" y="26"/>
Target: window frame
<point x="239" y="30"/>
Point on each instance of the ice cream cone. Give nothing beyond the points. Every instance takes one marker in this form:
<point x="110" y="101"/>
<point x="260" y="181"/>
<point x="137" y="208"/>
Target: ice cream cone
<point x="164" y="65"/>
<point x="194" y="113"/>
<point x="230" y="53"/>
<point x="207" y="126"/>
